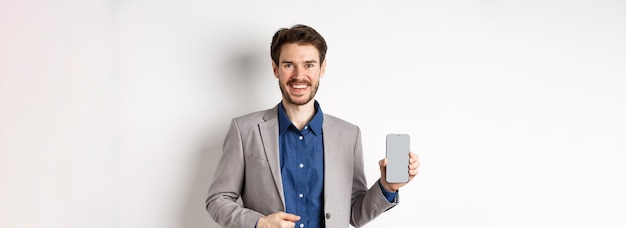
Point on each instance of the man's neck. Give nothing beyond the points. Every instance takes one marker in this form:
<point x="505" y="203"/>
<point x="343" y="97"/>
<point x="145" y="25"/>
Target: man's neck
<point x="299" y="115"/>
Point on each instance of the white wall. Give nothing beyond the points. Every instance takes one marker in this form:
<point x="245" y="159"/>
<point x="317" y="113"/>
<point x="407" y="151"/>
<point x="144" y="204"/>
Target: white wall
<point x="58" y="165"/>
<point x="112" y="113"/>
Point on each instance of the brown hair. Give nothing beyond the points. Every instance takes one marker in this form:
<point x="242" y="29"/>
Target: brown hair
<point x="300" y="34"/>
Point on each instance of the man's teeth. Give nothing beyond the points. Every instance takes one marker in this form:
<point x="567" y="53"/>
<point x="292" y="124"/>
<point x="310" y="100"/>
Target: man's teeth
<point x="299" y="86"/>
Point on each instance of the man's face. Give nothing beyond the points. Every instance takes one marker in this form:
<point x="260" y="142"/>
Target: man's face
<point x="298" y="71"/>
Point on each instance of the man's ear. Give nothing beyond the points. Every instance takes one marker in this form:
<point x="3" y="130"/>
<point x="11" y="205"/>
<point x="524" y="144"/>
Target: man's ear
<point x="275" y="69"/>
<point x="323" y="69"/>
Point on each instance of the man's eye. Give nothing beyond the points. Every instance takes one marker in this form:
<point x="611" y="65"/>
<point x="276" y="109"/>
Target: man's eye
<point x="288" y="65"/>
<point x="309" y="65"/>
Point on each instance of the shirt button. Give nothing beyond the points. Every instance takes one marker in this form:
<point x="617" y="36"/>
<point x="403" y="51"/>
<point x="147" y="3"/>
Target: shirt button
<point x="301" y="195"/>
<point x="327" y="215"/>
<point x="300" y="137"/>
<point x="306" y="127"/>
<point x="301" y="225"/>
<point x="301" y="165"/>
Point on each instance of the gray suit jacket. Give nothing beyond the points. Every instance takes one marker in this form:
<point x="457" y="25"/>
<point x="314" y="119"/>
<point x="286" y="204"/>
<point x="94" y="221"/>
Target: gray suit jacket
<point x="249" y="168"/>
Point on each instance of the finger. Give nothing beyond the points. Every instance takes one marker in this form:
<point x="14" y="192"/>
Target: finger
<point x="287" y="224"/>
<point x="382" y="163"/>
<point x="414" y="165"/>
<point x="414" y="162"/>
<point x="290" y="217"/>
<point x="413" y="156"/>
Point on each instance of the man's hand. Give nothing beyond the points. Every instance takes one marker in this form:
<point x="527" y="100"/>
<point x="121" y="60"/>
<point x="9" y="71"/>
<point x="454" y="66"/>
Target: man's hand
<point x="278" y="219"/>
<point x="393" y="187"/>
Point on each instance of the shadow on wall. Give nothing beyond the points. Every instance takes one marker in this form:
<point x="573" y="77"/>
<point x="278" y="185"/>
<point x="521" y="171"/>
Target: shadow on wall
<point x="239" y="71"/>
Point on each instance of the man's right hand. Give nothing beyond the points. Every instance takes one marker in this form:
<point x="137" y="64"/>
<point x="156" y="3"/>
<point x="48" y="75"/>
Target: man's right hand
<point x="278" y="219"/>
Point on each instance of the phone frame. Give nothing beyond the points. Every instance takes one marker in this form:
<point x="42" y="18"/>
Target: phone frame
<point x="397" y="154"/>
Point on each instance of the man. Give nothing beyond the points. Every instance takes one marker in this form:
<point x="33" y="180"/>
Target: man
<point x="293" y="165"/>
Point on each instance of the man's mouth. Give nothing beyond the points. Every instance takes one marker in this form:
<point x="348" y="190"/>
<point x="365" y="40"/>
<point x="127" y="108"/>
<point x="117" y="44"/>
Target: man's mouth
<point x="295" y="84"/>
<point x="299" y="86"/>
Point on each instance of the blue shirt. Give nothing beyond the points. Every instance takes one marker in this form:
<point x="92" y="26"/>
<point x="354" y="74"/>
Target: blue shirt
<point x="302" y="168"/>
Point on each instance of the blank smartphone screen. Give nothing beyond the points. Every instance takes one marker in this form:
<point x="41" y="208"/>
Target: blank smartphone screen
<point x="398" y="158"/>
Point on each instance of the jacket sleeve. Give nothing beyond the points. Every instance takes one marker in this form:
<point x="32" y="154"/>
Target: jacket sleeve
<point x="228" y="184"/>
<point x="367" y="204"/>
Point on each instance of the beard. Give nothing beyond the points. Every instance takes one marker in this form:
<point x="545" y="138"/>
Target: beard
<point x="293" y="100"/>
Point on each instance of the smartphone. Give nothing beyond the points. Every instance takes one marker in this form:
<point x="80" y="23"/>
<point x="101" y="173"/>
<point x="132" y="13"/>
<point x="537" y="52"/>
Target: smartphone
<point x="398" y="158"/>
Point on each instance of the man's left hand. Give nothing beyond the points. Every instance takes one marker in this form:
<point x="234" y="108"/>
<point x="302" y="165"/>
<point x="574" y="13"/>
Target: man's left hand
<point x="393" y="187"/>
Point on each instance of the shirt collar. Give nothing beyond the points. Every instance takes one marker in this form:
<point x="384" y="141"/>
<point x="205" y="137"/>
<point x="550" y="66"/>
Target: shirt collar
<point x="315" y="124"/>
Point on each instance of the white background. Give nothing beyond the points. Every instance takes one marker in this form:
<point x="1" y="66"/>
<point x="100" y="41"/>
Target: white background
<point x="112" y="113"/>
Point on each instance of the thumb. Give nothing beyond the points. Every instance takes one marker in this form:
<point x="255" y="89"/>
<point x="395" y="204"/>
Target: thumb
<point x="291" y="217"/>
<point x="383" y="167"/>
<point x="382" y="163"/>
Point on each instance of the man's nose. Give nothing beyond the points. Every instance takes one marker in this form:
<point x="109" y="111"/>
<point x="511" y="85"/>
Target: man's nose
<point x="297" y="71"/>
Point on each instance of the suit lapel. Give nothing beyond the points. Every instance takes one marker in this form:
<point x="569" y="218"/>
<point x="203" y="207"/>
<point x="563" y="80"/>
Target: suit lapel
<point x="331" y="161"/>
<point x="269" y="136"/>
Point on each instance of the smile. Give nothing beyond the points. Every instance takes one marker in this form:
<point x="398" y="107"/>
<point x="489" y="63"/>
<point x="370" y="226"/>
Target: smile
<point x="299" y="86"/>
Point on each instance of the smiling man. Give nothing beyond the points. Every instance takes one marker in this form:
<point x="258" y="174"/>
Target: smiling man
<point x="293" y="165"/>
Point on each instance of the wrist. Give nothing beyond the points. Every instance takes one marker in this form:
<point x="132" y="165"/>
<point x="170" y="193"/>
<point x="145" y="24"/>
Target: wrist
<point x="259" y="223"/>
<point x="386" y="186"/>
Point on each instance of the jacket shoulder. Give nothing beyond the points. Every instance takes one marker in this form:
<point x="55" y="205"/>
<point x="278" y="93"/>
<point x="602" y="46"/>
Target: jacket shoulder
<point x="257" y="117"/>
<point x="252" y="116"/>
<point x="338" y="122"/>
